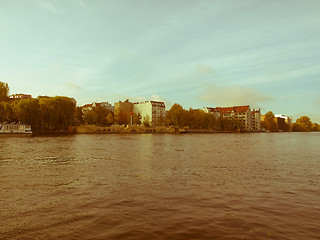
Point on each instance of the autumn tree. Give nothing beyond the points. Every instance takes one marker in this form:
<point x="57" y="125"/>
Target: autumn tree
<point x="4" y="91"/>
<point x="270" y="122"/>
<point x="305" y="123"/>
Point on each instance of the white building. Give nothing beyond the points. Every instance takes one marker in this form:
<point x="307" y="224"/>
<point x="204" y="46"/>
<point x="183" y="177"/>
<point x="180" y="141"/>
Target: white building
<point x="214" y="111"/>
<point x="151" y="112"/>
<point x="256" y="120"/>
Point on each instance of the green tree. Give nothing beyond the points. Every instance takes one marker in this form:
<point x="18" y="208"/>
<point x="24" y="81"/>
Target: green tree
<point x="270" y="122"/>
<point x="56" y="113"/>
<point x="4" y="91"/>
<point x="6" y="112"/>
<point x="27" y="111"/>
<point x="137" y="118"/>
<point x="176" y="116"/>
<point x="78" y="116"/>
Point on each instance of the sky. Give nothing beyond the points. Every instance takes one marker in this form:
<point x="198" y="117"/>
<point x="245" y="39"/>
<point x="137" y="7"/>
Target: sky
<point x="205" y="53"/>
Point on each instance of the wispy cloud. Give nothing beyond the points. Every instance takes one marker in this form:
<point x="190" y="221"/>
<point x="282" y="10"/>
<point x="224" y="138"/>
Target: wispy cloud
<point x="232" y="95"/>
<point x="317" y="101"/>
<point x="47" y="5"/>
<point x="73" y="86"/>
<point x="202" y="68"/>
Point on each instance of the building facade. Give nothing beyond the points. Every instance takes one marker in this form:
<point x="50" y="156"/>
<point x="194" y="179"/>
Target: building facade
<point x="241" y="115"/>
<point x="152" y="113"/>
<point x="256" y="120"/>
<point x="210" y="110"/>
<point x="284" y="122"/>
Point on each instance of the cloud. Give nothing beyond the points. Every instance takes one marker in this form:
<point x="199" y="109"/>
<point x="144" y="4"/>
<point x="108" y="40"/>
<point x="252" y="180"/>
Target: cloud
<point x="73" y="86"/>
<point x="317" y="101"/>
<point x="233" y="95"/>
<point x="49" y="6"/>
<point x="204" y="69"/>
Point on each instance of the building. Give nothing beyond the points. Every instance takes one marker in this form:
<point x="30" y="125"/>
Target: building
<point x="249" y="120"/>
<point x="284" y="122"/>
<point x="214" y="111"/>
<point x="20" y="96"/>
<point x="88" y="107"/>
<point x="256" y="120"/>
<point x="151" y="112"/>
<point x="123" y="111"/>
<point x="241" y="114"/>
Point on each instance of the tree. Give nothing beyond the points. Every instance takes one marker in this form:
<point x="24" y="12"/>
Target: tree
<point x="56" y="112"/>
<point x="316" y="127"/>
<point x="6" y="112"/>
<point x="146" y="121"/>
<point x="78" y="116"/>
<point x="305" y="123"/>
<point x="110" y="119"/>
<point x="27" y="111"/>
<point x="4" y="91"/>
<point x="137" y="118"/>
<point x="270" y="122"/>
<point x="176" y="116"/>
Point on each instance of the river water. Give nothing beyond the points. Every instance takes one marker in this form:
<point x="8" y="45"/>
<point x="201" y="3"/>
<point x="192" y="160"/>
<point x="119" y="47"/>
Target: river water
<point x="161" y="186"/>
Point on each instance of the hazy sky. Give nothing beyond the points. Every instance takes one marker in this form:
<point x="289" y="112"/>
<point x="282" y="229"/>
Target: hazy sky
<point x="196" y="53"/>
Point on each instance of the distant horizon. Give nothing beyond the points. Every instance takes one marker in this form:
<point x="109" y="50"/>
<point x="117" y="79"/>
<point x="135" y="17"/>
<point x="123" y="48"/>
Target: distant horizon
<point x="197" y="54"/>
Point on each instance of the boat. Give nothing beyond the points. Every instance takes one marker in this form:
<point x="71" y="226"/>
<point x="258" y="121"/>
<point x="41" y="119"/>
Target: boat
<point x="14" y="128"/>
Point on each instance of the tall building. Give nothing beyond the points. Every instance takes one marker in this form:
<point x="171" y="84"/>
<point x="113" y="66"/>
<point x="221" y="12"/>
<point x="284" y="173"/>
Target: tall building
<point x="151" y="112"/>
<point x="256" y="120"/>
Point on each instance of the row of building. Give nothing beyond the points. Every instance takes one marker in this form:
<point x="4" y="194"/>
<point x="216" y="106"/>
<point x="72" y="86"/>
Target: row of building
<point x="154" y="113"/>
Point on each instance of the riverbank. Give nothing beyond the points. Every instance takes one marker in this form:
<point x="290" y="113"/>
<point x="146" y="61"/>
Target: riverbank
<point x="122" y="129"/>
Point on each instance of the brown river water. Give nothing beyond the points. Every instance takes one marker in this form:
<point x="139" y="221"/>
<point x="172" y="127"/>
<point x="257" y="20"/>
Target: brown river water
<point x="161" y="186"/>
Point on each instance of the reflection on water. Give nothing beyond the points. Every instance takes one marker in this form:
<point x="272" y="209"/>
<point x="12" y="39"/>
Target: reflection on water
<point x="197" y="186"/>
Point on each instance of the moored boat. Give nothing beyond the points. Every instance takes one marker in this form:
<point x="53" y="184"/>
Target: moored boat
<point x="13" y="128"/>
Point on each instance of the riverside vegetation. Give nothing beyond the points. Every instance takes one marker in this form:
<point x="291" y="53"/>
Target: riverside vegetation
<point x="58" y="113"/>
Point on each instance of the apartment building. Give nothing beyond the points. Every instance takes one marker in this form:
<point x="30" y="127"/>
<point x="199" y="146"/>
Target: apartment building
<point x="151" y="112"/>
<point x="256" y="120"/>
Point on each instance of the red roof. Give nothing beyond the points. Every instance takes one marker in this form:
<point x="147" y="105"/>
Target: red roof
<point x="235" y="109"/>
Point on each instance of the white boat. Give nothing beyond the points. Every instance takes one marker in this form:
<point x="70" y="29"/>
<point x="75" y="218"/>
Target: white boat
<point x="13" y="128"/>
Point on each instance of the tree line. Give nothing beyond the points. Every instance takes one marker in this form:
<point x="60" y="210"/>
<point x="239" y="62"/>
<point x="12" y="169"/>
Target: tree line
<point x="58" y="113"/>
<point x="302" y="124"/>
<point x="43" y="113"/>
